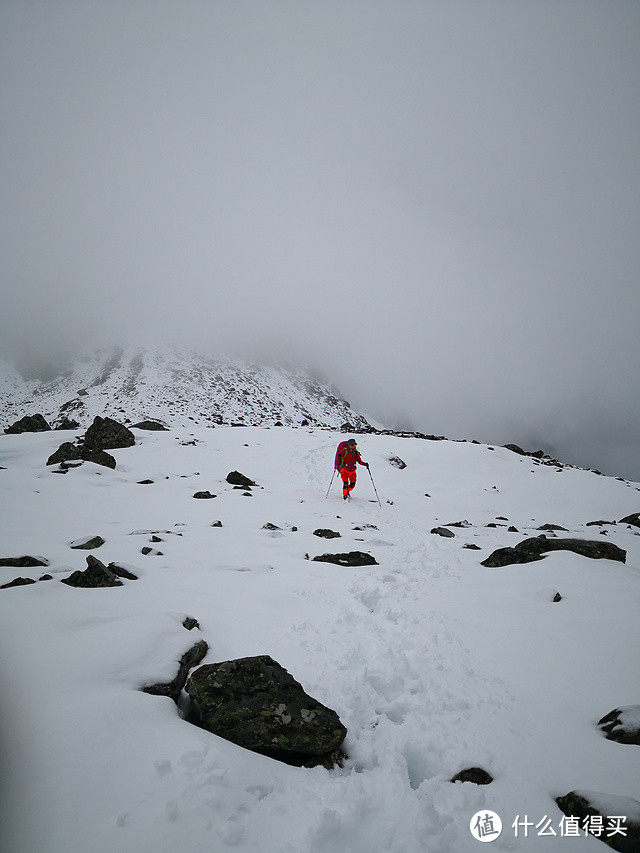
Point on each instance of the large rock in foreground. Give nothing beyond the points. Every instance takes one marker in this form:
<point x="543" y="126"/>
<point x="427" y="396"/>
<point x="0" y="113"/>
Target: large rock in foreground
<point x="533" y="549"/>
<point x="255" y="703"/>
<point x="107" y="434"/>
<point x="622" y="724"/>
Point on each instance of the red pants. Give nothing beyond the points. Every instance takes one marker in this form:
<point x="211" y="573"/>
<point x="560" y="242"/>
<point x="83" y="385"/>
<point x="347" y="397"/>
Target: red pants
<point x="348" y="480"/>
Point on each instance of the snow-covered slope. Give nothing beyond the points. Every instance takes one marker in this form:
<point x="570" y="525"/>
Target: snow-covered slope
<point x="172" y="384"/>
<point x="433" y="662"/>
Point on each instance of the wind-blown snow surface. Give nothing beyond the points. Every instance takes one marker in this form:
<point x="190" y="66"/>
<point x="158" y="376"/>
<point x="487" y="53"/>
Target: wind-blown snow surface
<point x="433" y="662"/>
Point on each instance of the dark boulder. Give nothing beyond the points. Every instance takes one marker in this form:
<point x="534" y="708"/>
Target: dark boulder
<point x="67" y="423"/>
<point x="204" y="496"/>
<point x="352" y="558"/>
<point x="190" y="623"/>
<point x="153" y="426"/>
<point x="471" y="546"/>
<point x="270" y="526"/>
<point x="29" y="423"/>
<point x="530" y="550"/>
<point x="326" y="534"/>
<point x="235" y="478"/>
<point x="633" y="519"/>
<point x="585" y="805"/>
<point x="107" y="434"/>
<point x="17" y="582"/>
<point x="189" y="659"/>
<point x="71" y="452"/>
<point x="255" y="703"/>
<point x="622" y="724"/>
<point x="94" y="576"/>
<point x="88" y="543"/>
<point x="551" y="527"/>
<point x="442" y="531"/>
<point x="121" y="572"/>
<point x="25" y="562"/>
<point x="476" y="775"/>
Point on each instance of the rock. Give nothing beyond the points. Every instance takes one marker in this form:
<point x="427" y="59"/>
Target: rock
<point x="204" y="495"/>
<point x="442" y="531"/>
<point x="352" y="558"/>
<point x="190" y="623"/>
<point x="397" y="462"/>
<point x="150" y="425"/>
<point x="88" y="543"/>
<point x="189" y="659"/>
<point x="622" y="724"/>
<point x="17" y="582"/>
<point x="326" y="534"/>
<point x="270" y="526"/>
<point x="464" y="523"/>
<point x="216" y="523"/>
<point x="585" y="805"/>
<point x="25" y="562"/>
<point x="70" y="452"/>
<point x="530" y="550"/>
<point x="121" y="572"/>
<point x="67" y="423"/>
<point x="476" y="775"/>
<point x="599" y="523"/>
<point x="550" y="527"/>
<point x="633" y="519"/>
<point x="536" y="454"/>
<point x="472" y="546"/>
<point x="235" y="478"/>
<point x="95" y="575"/>
<point x="255" y="703"/>
<point x="107" y="434"/>
<point x="29" y="423"/>
<point x="145" y="482"/>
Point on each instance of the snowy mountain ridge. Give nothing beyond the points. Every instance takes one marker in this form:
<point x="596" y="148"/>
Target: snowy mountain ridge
<point x="173" y="386"/>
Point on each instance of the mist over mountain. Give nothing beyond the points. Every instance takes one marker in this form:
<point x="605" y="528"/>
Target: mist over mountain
<point x="177" y="386"/>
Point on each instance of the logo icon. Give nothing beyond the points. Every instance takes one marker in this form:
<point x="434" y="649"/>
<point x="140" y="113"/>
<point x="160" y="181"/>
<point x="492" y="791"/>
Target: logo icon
<point x="485" y="826"/>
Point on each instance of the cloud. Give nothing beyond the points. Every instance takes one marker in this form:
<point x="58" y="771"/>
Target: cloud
<point x="438" y="203"/>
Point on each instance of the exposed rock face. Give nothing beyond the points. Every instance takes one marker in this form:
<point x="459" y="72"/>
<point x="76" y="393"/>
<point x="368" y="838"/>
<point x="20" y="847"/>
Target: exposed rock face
<point x="107" y="434"/>
<point x="587" y="804"/>
<point x="476" y="775"/>
<point x="622" y="724"/>
<point x="25" y="562"/>
<point x="95" y="575"/>
<point x="633" y="519"/>
<point x="326" y="534"/>
<point x="255" y="703"/>
<point x="203" y="496"/>
<point x="29" y="423"/>
<point x="67" y="423"/>
<point x="536" y="454"/>
<point x="352" y="558"/>
<point x="235" y="478"/>
<point x="533" y="549"/>
<point x="70" y="452"/>
<point x="189" y="659"/>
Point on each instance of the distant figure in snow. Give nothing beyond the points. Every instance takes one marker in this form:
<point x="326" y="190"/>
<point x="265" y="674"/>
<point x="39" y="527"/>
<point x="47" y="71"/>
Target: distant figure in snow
<point x="347" y="455"/>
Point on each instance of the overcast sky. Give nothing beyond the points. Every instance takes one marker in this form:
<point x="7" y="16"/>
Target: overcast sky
<point x="437" y="201"/>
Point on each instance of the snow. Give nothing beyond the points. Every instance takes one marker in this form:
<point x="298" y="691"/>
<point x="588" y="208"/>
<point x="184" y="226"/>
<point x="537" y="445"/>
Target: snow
<point x="433" y="662"/>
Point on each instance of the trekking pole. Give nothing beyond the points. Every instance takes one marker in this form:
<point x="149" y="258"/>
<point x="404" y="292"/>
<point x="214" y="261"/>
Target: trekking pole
<point x="330" y="484"/>
<point x="373" y="484"/>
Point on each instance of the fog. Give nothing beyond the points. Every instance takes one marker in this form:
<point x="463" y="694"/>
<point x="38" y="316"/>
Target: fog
<point x="436" y="203"/>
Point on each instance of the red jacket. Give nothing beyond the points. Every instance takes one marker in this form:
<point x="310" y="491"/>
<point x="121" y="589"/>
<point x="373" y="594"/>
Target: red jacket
<point x="346" y="457"/>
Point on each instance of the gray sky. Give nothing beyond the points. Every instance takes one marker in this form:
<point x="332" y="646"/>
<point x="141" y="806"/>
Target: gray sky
<point x="436" y="201"/>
